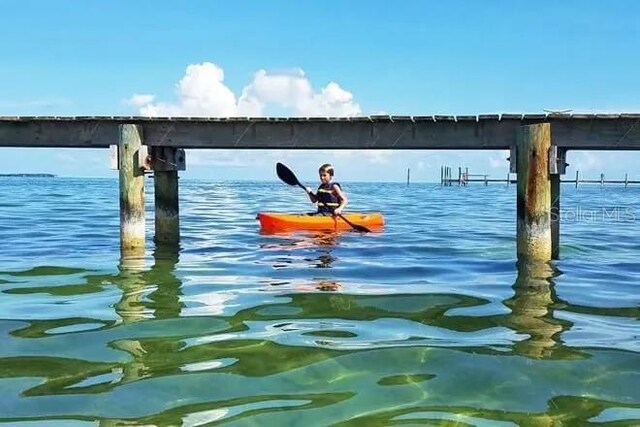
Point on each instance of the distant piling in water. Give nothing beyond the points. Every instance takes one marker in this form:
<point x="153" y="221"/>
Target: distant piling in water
<point x="465" y="178"/>
<point x="445" y="176"/>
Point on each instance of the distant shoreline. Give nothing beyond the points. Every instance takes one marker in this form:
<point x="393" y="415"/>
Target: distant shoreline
<point x="28" y="175"/>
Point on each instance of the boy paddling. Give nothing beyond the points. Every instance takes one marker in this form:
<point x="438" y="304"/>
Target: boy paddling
<point x="330" y="198"/>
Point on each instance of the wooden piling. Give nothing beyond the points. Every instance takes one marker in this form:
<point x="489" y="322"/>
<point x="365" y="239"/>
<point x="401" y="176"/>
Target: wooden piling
<point x="577" y="180"/>
<point x="408" y="175"/>
<point x="167" y="217"/>
<point x="534" y="193"/>
<point x="626" y="180"/>
<point x="555" y="216"/>
<point x="132" y="228"/>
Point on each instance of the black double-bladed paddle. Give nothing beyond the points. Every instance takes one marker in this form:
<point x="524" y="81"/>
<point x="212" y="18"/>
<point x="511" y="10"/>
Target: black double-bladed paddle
<point x="287" y="176"/>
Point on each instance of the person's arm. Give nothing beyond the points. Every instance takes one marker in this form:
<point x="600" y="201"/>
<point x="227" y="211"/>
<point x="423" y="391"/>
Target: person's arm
<point x="312" y="197"/>
<point x="343" y="200"/>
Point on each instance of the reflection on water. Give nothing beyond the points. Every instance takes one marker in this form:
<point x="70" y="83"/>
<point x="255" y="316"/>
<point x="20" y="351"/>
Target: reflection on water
<point x="315" y="356"/>
<point x="319" y="243"/>
<point x="401" y="328"/>
<point x="532" y="310"/>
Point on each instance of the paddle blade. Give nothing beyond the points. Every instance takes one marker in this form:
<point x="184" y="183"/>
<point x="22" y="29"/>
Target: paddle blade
<point x="360" y="228"/>
<point x="286" y="175"/>
<point x="357" y="227"/>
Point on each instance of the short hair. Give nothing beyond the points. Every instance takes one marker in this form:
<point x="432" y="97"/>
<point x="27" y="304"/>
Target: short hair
<point x="326" y="168"/>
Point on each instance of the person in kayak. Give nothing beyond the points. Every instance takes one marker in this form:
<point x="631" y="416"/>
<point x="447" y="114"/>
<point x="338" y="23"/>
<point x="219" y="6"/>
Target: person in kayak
<point x="330" y="198"/>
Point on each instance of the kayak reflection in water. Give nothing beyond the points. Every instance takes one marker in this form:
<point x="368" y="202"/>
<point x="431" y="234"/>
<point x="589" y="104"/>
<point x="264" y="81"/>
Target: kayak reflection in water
<point x="303" y="239"/>
<point x="330" y="198"/>
<point x="297" y="245"/>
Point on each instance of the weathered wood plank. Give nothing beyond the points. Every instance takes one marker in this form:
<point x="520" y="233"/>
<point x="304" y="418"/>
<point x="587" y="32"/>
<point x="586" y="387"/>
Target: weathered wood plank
<point x="385" y="132"/>
<point x="583" y="116"/>
<point x="445" y="118"/>
<point x="401" y="119"/>
<point x="380" y="118"/>
<point x="424" y="118"/>
<point x="534" y="117"/>
<point x="511" y="117"/>
<point x="489" y="117"/>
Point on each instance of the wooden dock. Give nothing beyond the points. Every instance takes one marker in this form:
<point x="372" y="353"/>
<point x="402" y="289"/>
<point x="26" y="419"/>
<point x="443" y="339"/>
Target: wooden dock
<point x="538" y="144"/>
<point x="482" y="132"/>
<point x="465" y="178"/>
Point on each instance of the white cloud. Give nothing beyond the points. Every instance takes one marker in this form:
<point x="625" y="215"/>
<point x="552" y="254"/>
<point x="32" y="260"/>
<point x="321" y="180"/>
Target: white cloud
<point x="373" y="156"/>
<point x="140" y="100"/>
<point x="378" y="156"/>
<point x="499" y="160"/>
<point x="202" y="92"/>
<point x="585" y="161"/>
<point x="223" y="157"/>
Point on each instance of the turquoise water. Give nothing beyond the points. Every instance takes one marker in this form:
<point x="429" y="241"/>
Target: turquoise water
<point x="430" y="322"/>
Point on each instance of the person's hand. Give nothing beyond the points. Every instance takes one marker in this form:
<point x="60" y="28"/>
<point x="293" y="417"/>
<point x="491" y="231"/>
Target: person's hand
<point x="337" y="211"/>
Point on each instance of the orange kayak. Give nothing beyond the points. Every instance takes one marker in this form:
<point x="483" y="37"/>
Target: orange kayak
<point x="272" y="221"/>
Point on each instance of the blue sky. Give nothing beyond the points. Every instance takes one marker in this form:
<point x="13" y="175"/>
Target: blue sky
<point x="317" y="58"/>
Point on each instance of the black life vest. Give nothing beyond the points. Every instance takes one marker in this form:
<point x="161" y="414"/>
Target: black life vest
<point x="327" y="199"/>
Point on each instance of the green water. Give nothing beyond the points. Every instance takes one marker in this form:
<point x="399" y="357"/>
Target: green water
<point x="429" y="323"/>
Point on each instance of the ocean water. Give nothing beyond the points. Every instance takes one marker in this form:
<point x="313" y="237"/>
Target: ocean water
<point x="430" y="322"/>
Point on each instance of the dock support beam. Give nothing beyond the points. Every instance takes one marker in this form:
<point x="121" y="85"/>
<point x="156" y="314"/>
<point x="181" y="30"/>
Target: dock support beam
<point x="555" y="216"/>
<point x="131" y="177"/>
<point x="167" y="219"/>
<point x="534" y="193"/>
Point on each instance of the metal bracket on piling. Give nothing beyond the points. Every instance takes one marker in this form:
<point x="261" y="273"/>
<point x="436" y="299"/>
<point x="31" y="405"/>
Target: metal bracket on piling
<point x="149" y="159"/>
<point x="513" y="165"/>
<point x="144" y="161"/>
<point x="166" y="159"/>
<point x="557" y="161"/>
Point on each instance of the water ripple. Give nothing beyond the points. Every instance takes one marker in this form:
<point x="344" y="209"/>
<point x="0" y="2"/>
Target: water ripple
<point x="429" y="322"/>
